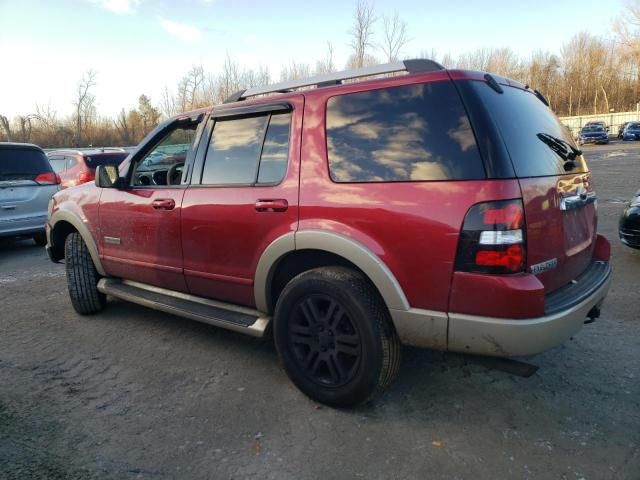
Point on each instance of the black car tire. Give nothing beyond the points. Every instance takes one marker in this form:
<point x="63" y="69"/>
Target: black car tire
<point x="343" y="355"/>
<point x="82" y="277"/>
<point x="40" y="239"/>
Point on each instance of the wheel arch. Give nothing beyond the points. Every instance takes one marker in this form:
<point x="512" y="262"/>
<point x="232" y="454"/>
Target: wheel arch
<point x="333" y="245"/>
<point x="62" y="224"/>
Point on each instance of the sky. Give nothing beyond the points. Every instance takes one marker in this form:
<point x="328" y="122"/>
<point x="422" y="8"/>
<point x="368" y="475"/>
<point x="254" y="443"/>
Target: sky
<point x="141" y="46"/>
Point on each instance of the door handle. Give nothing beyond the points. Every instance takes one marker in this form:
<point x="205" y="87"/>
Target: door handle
<point x="164" y="204"/>
<point x="272" y="205"/>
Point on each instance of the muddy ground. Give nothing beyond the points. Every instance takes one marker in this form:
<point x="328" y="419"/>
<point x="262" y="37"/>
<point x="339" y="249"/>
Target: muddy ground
<point x="133" y="393"/>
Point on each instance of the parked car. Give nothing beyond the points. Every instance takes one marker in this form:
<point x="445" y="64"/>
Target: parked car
<point x="27" y="182"/>
<point x="76" y="167"/>
<point x="598" y="123"/>
<point x="593" y="134"/>
<point x="350" y="219"/>
<point x="631" y="131"/>
<point x="621" y="129"/>
<point x="629" y="227"/>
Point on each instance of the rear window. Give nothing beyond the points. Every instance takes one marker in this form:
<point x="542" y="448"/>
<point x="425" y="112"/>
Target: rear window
<point x="21" y="164"/>
<point x="106" y="159"/>
<point x="408" y="133"/>
<point x="521" y="118"/>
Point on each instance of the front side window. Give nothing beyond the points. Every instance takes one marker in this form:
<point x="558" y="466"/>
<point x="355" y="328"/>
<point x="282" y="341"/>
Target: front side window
<point x="408" y="133"/>
<point x="162" y="165"/>
<point x="248" y="151"/>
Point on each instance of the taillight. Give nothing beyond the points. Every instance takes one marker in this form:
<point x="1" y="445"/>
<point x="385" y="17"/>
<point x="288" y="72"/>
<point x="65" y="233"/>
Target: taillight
<point x="84" y="177"/>
<point x="493" y="238"/>
<point x="48" y="178"/>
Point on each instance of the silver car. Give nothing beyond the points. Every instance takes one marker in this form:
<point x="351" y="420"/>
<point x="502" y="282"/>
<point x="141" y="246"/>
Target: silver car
<point x="27" y="182"/>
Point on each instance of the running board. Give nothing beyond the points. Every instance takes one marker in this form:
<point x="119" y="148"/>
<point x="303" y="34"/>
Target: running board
<point x="232" y="317"/>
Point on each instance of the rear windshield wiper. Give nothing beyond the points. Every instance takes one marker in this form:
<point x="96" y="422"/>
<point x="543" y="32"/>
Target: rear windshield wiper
<point x="564" y="149"/>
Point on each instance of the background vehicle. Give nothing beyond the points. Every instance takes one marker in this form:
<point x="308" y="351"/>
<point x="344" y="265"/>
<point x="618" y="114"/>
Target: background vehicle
<point x="27" y="182"/>
<point x="621" y="129"/>
<point x="593" y="134"/>
<point x="76" y="167"/>
<point x="631" y="131"/>
<point x="377" y="221"/>
<point x="629" y="227"/>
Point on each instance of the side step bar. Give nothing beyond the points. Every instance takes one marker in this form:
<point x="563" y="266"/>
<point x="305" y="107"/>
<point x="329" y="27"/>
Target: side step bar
<point x="232" y="317"/>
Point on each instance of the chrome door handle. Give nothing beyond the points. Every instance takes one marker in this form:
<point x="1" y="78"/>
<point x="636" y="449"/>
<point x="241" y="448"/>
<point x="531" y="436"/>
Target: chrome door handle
<point x="164" y="204"/>
<point x="272" y="205"/>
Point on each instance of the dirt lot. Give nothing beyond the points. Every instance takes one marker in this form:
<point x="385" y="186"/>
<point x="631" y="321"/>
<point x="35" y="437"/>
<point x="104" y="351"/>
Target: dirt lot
<point x="134" y="393"/>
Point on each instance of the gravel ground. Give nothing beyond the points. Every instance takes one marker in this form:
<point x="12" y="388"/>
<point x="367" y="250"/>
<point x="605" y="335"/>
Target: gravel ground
<point x="133" y="393"/>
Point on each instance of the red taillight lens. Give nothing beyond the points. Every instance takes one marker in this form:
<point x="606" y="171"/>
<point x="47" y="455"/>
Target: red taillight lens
<point x="48" y="178"/>
<point x="512" y="259"/>
<point x="84" y="177"/>
<point x="493" y="238"/>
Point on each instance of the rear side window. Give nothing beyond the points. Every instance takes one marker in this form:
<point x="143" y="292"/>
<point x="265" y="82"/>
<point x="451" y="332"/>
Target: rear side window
<point x="409" y="133"/>
<point x="57" y="163"/>
<point x="22" y="164"/>
<point x="249" y="150"/>
<point x="522" y="119"/>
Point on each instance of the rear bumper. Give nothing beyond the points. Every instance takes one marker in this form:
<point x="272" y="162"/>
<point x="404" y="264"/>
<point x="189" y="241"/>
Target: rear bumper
<point x="23" y="226"/>
<point x="512" y="337"/>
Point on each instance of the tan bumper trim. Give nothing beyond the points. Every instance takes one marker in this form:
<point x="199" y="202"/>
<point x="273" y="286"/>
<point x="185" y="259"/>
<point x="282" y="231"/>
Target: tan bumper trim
<point x="506" y="337"/>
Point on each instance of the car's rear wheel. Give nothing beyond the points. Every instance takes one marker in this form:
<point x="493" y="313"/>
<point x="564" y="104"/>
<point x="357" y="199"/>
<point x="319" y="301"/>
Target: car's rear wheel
<point x="40" y="239"/>
<point x="334" y="336"/>
<point x="82" y="276"/>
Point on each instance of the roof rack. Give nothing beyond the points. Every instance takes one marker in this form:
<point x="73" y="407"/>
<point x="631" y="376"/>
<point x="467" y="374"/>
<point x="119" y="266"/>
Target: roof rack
<point x="419" y="65"/>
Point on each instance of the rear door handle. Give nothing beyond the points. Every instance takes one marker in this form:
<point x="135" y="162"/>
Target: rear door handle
<point x="164" y="204"/>
<point x="272" y="205"/>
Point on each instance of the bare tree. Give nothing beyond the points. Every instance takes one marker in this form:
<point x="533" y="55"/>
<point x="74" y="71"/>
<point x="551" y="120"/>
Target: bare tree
<point x="294" y="70"/>
<point x="395" y="37"/>
<point x="6" y="126"/>
<point x="362" y="33"/>
<point x="84" y="103"/>
<point x="326" y="64"/>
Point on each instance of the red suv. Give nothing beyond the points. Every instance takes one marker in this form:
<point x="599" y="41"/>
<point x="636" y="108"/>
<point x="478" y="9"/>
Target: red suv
<point x="444" y="209"/>
<point x="75" y="167"/>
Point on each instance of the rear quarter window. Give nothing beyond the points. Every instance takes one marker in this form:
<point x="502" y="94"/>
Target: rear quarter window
<point x="408" y="133"/>
<point x="22" y="164"/>
<point x="520" y="116"/>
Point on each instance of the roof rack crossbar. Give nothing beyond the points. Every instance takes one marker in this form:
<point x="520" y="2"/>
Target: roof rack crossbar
<point x="335" y="78"/>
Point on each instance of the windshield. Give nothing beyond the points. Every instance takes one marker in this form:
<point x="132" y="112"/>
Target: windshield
<point x="593" y="128"/>
<point x="538" y="144"/>
<point x="634" y="126"/>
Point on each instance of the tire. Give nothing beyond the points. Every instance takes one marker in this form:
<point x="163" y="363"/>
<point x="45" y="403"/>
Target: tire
<point x="40" y="239"/>
<point x="334" y="337"/>
<point x="82" y="277"/>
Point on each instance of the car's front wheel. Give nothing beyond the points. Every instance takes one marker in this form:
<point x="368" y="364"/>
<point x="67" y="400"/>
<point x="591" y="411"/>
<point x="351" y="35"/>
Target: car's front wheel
<point x="82" y="276"/>
<point x="334" y="336"/>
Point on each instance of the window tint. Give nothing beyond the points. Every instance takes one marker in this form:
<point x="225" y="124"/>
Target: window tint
<point x="57" y="163"/>
<point x="22" y="164"/>
<point x="520" y="117"/>
<point x="275" y="151"/>
<point x="234" y="151"/>
<point x="408" y="133"/>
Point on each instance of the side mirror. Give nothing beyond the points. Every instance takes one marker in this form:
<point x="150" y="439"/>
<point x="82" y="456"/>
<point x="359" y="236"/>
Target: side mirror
<point x="107" y="176"/>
